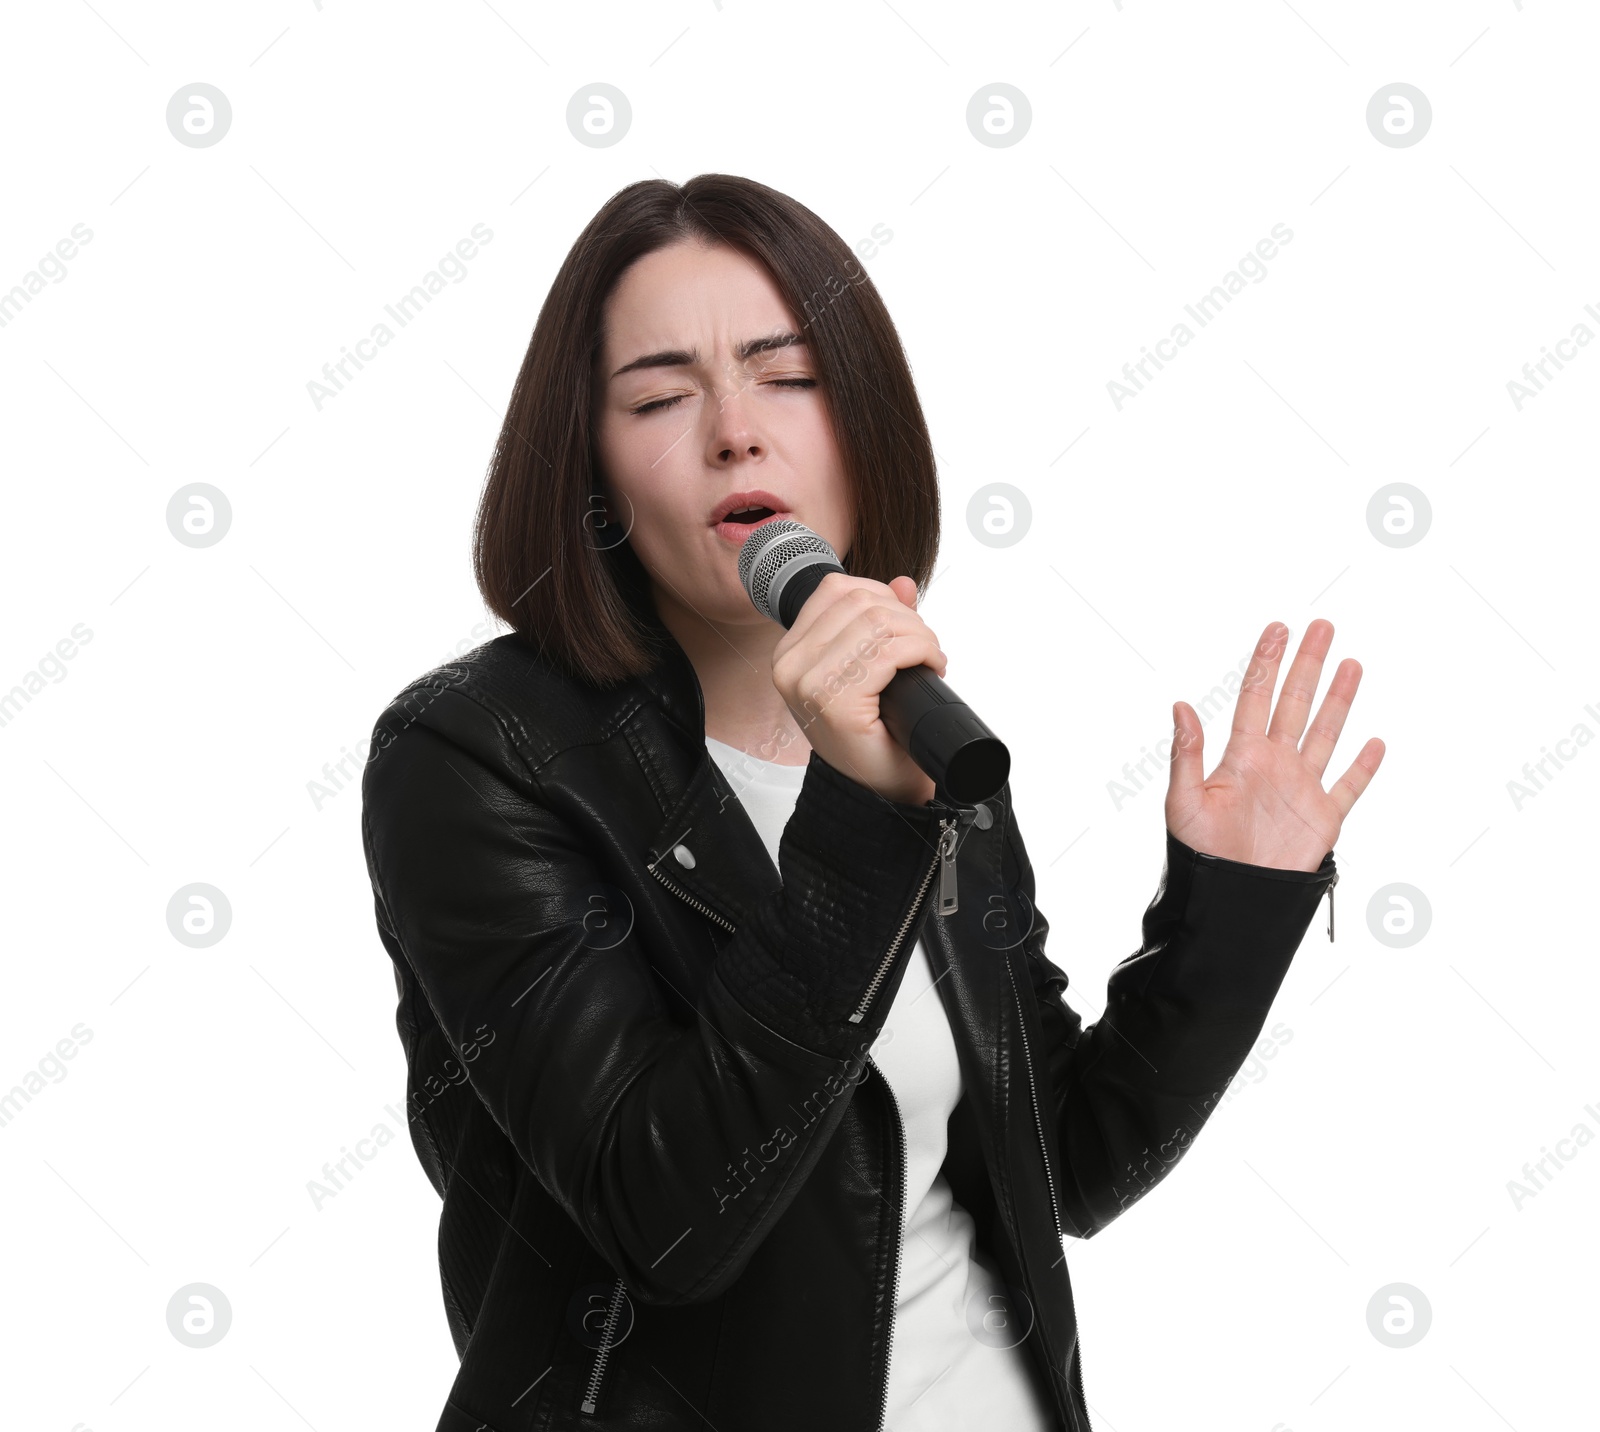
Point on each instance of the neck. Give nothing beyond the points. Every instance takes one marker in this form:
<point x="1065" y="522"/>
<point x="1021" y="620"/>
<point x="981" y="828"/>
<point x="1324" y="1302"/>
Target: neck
<point x="733" y="661"/>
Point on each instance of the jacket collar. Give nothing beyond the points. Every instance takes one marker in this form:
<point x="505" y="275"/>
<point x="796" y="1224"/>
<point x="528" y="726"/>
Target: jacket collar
<point x="707" y="845"/>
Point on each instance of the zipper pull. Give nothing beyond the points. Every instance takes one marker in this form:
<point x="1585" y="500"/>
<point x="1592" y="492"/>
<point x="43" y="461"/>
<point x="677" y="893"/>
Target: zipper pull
<point x="947" y="867"/>
<point x="1334" y="882"/>
<point x="962" y="814"/>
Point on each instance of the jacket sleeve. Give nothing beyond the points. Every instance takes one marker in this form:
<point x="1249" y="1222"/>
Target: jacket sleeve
<point x="671" y="1138"/>
<point x="1129" y="1093"/>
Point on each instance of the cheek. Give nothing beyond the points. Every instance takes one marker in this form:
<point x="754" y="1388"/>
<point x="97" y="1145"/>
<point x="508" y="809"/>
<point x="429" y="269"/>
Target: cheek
<point x="625" y="457"/>
<point x="818" y="450"/>
<point x="812" y="427"/>
<point x="814" y="451"/>
<point x="610" y="445"/>
<point x="651" y="497"/>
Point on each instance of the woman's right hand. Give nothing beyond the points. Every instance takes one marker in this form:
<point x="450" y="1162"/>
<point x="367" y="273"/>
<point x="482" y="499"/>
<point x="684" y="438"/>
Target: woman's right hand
<point x="852" y="635"/>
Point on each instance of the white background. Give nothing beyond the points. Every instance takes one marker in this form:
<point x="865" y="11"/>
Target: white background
<point x="178" y="745"/>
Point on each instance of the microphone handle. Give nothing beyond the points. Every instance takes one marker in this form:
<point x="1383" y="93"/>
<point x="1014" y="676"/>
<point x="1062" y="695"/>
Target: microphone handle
<point x="938" y="730"/>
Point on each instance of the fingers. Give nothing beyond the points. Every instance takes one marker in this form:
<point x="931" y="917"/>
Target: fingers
<point x="1188" y="749"/>
<point x="871" y="634"/>
<point x="1300" y="685"/>
<point x="1324" y="734"/>
<point x="815" y="607"/>
<point x="834" y="592"/>
<point x="867" y="611"/>
<point x="858" y="632"/>
<point x="1347" y="789"/>
<point x="1255" y="695"/>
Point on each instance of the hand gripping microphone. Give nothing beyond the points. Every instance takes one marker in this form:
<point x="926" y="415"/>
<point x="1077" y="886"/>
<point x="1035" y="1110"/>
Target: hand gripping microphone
<point x="781" y="563"/>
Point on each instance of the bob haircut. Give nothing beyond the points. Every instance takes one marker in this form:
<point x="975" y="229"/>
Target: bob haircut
<point x="544" y="557"/>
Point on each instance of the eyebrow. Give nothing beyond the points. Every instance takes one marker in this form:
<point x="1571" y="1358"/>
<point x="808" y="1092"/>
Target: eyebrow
<point x="682" y="357"/>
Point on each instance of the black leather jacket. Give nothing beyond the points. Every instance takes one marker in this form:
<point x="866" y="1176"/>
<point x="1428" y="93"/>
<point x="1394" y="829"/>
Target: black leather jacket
<point x="672" y="1178"/>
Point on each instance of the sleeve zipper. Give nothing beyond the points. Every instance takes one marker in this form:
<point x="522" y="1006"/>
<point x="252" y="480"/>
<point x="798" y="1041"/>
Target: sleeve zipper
<point x="948" y="840"/>
<point x="947" y="870"/>
<point x="944" y="855"/>
<point x="1055" y="1212"/>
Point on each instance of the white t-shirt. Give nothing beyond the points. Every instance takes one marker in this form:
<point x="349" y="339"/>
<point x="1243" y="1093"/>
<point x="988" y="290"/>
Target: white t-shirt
<point x="941" y="1375"/>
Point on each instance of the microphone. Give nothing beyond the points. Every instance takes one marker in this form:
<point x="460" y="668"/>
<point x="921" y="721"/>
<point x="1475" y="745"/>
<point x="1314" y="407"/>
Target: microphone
<point x="781" y="563"/>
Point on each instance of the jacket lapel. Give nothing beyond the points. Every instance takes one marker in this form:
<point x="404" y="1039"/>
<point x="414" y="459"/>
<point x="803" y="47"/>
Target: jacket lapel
<point x="709" y="847"/>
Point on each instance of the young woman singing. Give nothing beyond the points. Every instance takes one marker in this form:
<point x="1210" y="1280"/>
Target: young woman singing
<point x="737" y="1123"/>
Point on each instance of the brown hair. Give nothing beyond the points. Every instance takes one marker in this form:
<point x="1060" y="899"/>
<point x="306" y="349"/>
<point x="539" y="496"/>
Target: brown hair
<point x="544" y="559"/>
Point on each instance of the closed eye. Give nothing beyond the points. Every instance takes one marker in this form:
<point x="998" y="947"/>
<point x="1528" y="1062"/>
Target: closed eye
<point x="661" y="404"/>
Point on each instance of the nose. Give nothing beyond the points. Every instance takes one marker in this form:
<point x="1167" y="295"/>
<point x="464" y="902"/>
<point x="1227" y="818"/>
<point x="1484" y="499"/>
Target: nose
<point x="734" y="435"/>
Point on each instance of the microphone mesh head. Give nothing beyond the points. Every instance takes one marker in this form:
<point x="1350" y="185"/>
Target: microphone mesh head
<point x="768" y="549"/>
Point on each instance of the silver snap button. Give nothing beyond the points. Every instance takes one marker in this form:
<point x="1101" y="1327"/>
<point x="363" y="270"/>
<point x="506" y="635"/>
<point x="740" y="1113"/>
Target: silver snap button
<point x="684" y="856"/>
<point x="984" y="818"/>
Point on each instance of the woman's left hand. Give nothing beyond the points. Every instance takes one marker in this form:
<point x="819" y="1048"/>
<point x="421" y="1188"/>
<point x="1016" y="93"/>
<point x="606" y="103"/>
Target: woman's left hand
<point x="1264" y="804"/>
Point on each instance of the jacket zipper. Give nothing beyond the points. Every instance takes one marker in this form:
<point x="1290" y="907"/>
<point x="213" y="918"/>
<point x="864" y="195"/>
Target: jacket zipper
<point x="899" y="1239"/>
<point x="613" y="1309"/>
<point x="1331" y="884"/>
<point x="683" y="894"/>
<point x="945" y="861"/>
<point x="944" y="854"/>
<point x="1044" y="1154"/>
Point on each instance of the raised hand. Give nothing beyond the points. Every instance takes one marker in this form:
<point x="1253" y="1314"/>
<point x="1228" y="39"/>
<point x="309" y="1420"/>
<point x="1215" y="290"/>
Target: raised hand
<point x="1264" y="804"/>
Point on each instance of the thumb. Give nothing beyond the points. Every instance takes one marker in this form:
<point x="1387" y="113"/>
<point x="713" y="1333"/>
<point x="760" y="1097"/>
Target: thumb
<point x="1188" y="749"/>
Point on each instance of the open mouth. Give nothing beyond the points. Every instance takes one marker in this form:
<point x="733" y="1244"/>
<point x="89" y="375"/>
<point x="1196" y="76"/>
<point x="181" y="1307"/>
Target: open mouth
<point x="737" y="526"/>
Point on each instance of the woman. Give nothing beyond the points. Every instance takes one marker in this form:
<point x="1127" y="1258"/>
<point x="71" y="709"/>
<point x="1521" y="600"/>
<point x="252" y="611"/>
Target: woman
<point x="733" y="1127"/>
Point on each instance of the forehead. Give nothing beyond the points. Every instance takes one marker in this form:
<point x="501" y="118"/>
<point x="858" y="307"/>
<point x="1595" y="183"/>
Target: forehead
<point x="690" y="296"/>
